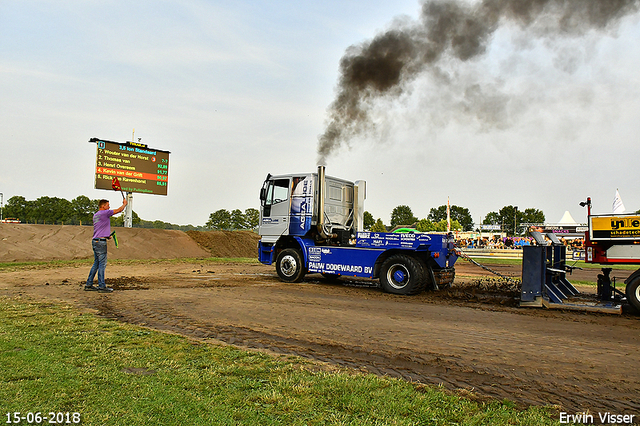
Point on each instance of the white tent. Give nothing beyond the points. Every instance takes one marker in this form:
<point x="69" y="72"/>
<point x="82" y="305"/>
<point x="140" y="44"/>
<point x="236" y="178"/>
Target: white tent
<point x="567" y="219"/>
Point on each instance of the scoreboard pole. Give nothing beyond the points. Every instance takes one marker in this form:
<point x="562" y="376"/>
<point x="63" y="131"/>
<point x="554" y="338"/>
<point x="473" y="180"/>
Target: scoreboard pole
<point x="128" y="211"/>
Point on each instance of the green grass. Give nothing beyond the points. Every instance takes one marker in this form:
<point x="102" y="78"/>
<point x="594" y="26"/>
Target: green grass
<point x="579" y="263"/>
<point x="493" y="260"/>
<point x="55" y="359"/>
<point x="12" y="266"/>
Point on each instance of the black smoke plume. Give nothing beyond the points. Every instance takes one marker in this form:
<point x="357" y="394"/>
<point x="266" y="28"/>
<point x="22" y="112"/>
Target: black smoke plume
<point x="447" y="30"/>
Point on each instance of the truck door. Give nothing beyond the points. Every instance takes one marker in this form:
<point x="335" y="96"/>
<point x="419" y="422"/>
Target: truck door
<point x="274" y="215"/>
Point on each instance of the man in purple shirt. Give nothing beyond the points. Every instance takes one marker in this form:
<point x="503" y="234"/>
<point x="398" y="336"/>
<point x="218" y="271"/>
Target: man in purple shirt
<point x="101" y="233"/>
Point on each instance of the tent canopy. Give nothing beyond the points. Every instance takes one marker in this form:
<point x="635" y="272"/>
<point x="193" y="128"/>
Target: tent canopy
<point x="567" y="219"/>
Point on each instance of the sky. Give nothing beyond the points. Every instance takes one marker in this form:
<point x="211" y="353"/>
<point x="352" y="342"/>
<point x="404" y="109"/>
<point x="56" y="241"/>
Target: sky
<point x="238" y="89"/>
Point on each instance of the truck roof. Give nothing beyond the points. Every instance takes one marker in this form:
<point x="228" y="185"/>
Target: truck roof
<point x="289" y="175"/>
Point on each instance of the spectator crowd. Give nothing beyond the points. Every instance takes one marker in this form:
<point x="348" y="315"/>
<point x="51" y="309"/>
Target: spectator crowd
<point x="496" y="242"/>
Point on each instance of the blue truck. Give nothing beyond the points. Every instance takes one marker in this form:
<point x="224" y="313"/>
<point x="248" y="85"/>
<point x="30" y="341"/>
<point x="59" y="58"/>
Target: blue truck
<point x="313" y="223"/>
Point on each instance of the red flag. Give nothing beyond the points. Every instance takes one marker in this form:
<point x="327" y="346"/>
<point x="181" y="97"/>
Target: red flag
<point x="115" y="184"/>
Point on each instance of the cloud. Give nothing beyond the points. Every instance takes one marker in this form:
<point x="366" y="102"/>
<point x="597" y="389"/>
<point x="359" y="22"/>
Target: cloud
<point x="443" y="47"/>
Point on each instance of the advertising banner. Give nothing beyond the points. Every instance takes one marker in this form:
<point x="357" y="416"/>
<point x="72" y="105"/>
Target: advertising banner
<point x="616" y="227"/>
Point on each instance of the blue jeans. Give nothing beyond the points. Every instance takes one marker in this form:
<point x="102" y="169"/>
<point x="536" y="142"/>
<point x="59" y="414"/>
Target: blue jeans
<point x="99" y="263"/>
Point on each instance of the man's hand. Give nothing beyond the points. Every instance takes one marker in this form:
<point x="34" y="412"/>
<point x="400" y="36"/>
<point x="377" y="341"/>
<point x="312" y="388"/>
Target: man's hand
<point x="121" y="208"/>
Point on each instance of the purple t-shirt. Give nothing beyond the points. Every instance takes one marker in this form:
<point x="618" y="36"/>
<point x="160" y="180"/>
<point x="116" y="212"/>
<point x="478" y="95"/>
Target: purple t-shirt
<point x="102" y="223"/>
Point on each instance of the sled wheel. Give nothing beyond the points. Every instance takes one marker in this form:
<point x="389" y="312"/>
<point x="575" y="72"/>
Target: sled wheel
<point x="290" y="266"/>
<point x="633" y="293"/>
<point x="402" y="274"/>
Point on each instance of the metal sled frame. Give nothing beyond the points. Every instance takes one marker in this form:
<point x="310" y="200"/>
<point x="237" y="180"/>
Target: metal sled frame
<point x="544" y="280"/>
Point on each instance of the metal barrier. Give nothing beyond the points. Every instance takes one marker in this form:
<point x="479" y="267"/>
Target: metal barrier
<point x="515" y="253"/>
<point x="494" y="253"/>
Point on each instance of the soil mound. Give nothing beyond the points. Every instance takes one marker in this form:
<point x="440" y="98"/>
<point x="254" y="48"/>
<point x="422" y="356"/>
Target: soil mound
<point x="27" y="242"/>
<point x="227" y="243"/>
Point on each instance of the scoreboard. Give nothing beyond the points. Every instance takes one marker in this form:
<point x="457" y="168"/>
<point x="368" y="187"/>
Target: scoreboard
<point x="138" y="168"/>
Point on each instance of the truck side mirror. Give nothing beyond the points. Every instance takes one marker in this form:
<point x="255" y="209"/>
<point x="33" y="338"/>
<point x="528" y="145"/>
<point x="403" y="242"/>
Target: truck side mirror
<point x="263" y="190"/>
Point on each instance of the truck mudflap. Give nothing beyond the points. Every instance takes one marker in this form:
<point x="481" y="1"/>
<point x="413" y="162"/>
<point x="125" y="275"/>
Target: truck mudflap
<point x="444" y="277"/>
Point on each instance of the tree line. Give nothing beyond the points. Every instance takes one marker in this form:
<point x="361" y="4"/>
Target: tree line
<point x="236" y="219"/>
<point x="80" y="210"/>
<point x="52" y="210"/>
<point x="436" y="220"/>
<point x="509" y="218"/>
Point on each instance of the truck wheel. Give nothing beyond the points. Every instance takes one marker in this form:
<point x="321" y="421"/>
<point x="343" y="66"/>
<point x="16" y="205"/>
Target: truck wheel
<point x="290" y="266"/>
<point x="402" y="274"/>
<point x="633" y="293"/>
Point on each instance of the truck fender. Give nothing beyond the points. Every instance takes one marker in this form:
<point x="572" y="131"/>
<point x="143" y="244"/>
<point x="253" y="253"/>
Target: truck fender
<point x="380" y="260"/>
<point x="298" y="243"/>
<point x="632" y="276"/>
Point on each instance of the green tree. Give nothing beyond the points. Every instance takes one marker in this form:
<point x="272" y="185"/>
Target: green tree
<point x="509" y="216"/>
<point x="158" y="224"/>
<point x="460" y="214"/>
<point x="532" y="215"/>
<point x="51" y="210"/>
<point x="378" y="226"/>
<point x="252" y="218"/>
<point x="237" y="220"/>
<point x="17" y="207"/>
<point x="505" y="218"/>
<point x="83" y="209"/>
<point x="492" y="218"/>
<point x="368" y="221"/>
<point x="220" y="219"/>
<point x="402" y="215"/>
<point x="442" y="226"/>
<point x="118" y="220"/>
<point x="425" y="225"/>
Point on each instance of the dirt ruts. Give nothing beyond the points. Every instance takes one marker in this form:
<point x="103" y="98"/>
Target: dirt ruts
<point x="471" y="339"/>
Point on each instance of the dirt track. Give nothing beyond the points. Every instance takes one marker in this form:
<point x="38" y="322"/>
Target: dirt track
<point x="474" y="342"/>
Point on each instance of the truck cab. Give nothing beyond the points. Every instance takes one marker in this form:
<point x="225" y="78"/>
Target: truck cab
<point x="289" y="205"/>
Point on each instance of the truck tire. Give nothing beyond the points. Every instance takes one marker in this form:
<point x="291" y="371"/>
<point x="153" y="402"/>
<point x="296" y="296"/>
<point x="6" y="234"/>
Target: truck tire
<point x="402" y="274"/>
<point x="290" y="266"/>
<point x="633" y="293"/>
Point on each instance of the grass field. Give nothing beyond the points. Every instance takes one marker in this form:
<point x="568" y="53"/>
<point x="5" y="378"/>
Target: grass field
<point x="56" y="360"/>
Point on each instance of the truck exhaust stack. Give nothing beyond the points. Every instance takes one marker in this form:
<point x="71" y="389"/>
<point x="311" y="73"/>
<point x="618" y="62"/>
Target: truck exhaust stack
<point x="322" y="183"/>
